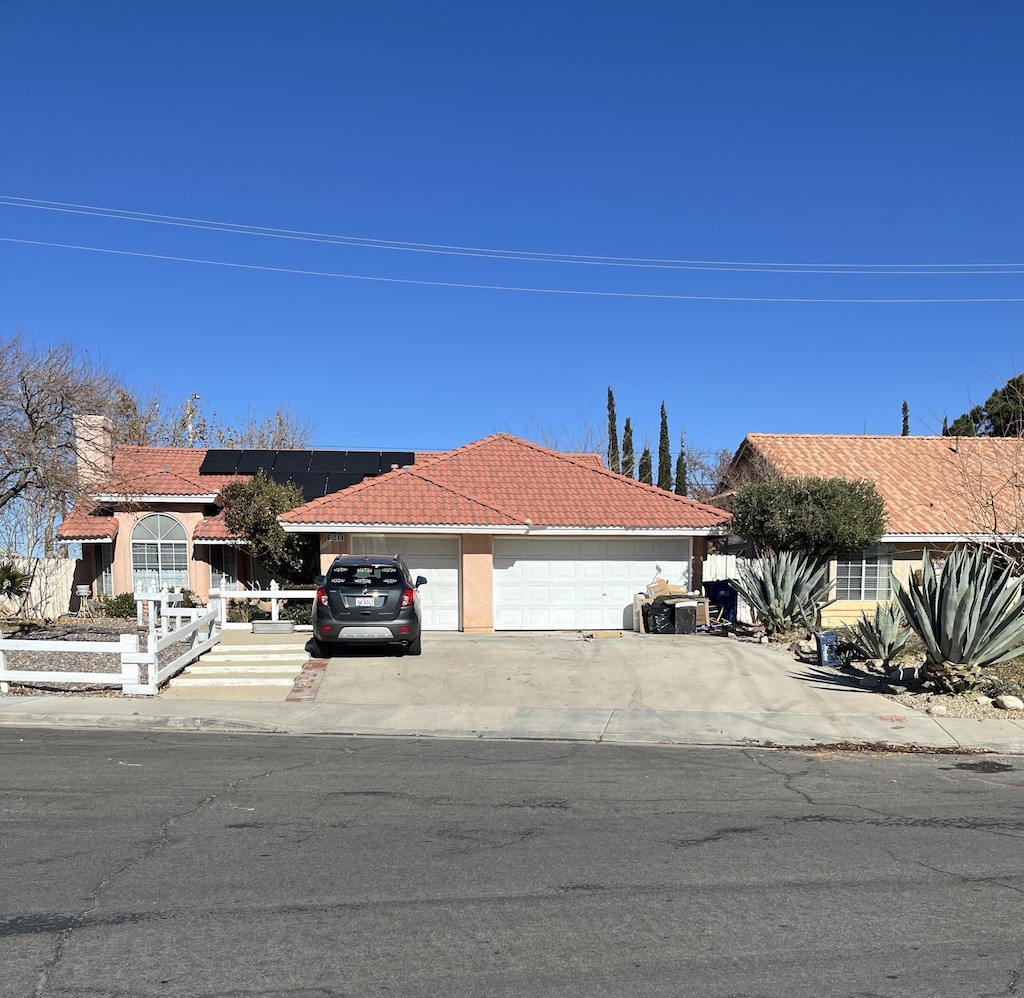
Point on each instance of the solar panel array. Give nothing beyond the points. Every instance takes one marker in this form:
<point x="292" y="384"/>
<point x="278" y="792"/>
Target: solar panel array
<point x="317" y="472"/>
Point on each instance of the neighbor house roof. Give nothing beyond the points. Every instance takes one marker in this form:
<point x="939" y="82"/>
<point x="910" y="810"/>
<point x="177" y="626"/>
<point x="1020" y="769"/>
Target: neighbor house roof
<point x="948" y="487"/>
<point x="505" y="484"/>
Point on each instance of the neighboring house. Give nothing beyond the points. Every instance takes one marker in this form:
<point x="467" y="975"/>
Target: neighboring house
<point x="512" y="536"/>
<point x="939" y="492"/>
<point x="152" y="516"/>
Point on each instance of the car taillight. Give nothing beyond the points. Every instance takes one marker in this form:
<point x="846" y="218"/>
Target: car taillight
<point x="407" y="597"/>
<point x="321" y="597"/>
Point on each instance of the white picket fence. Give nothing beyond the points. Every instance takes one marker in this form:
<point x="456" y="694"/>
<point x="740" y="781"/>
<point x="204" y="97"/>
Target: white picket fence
<point x="274" y="594"/>
<point x="167" y="626"/>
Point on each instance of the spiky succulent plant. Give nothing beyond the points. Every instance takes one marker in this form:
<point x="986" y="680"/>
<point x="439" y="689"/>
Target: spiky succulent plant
<point x="883" y="636"/>
<point x="784" y="589"/>
<point x="968" y="616"/>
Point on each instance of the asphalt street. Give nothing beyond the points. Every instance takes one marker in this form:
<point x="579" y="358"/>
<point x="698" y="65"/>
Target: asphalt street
<point x="202" y="865"/>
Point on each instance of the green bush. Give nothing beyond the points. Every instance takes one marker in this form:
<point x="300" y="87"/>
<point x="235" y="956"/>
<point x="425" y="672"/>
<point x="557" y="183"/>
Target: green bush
<point x="121" y="605"/>
<point x="822" y="517"/>
<point x="298" y="610"/>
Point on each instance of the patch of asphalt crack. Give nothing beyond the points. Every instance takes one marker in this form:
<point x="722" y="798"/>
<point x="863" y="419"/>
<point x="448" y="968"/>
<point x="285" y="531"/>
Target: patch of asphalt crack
<point x="787" y="778"/>
<point x="63" y="926"/>
<point x="963" y="878"/>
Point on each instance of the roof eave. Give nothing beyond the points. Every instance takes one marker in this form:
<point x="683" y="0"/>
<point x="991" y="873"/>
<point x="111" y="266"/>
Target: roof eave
<point x="115" y="497"/>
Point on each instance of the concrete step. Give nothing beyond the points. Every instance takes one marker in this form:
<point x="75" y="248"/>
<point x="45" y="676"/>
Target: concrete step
<point x="231" y="680"/>
<point x="241" y="656"/>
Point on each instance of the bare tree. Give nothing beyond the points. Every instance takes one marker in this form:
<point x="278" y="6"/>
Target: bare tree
<point x="41" y="392"/>
<point x="147" y="420"/>
<point x="984" y="493"/>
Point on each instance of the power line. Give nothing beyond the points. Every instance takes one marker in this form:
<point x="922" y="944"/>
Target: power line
<point x="522" y="256"/>
<point x="502" y="287"/>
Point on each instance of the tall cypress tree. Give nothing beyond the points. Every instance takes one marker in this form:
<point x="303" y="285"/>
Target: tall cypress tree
<point x="664" y="454"/>
<point x="906" y="419"/>
<point x="628" y="458"/>
<point x="682" y="485"/>
<point x="613" y="435"/>
<point x="646" y="463"/>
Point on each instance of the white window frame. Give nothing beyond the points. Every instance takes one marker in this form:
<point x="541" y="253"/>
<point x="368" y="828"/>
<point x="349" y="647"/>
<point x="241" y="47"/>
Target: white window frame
<point x="865" y="576"/>
<point x="161" y="559"/>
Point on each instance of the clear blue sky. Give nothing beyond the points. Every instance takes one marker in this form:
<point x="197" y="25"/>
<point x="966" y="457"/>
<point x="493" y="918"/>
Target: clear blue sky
<point x="883" y="134"/>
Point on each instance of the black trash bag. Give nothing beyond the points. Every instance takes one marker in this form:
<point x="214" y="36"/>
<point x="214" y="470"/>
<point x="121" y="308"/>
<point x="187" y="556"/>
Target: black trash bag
<point x="662" y="617"/>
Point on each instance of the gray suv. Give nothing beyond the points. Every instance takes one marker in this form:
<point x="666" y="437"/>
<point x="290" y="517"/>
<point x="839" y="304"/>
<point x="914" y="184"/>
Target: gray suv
<point x="366" y="599"/>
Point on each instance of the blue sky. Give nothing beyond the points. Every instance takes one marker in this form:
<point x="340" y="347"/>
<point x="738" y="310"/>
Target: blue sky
<point x="883" y="136"/>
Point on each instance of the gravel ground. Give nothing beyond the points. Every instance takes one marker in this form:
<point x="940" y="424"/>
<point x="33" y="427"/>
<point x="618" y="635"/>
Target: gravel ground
<point x="106" y="629"/>
<point x="862" y="675"/>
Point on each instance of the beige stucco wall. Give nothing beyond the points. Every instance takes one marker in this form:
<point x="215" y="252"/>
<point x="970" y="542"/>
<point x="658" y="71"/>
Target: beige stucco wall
<point x="477" y="583"/>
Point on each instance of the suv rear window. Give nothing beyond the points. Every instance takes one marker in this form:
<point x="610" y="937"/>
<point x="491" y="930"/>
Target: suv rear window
<point x="364" y="575"/>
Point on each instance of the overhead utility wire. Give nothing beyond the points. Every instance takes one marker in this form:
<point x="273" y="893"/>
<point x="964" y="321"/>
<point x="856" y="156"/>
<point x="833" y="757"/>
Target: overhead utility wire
<point x="522" y="256"/>
<point x="501" y="287"/>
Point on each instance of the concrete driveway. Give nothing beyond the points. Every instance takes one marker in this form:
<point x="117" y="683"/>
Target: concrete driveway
<point x="567" y="671"/>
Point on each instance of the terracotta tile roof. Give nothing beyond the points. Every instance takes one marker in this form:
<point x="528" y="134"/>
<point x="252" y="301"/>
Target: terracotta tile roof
<point x="160" y="471"/>
<point x="213" y="528"/>
<point x="951" y="486"/>
<point x="87" y="522"/>
<point x="503" y="481"/>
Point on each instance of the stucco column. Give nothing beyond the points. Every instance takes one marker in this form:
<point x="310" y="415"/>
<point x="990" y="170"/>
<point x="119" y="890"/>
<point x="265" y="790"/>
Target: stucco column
<point x="477" y="576"/>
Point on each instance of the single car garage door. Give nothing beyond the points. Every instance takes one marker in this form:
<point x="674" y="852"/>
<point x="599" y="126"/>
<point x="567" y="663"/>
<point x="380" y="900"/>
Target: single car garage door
<point x="555" y="585"/>
<point x="435" y="558"/>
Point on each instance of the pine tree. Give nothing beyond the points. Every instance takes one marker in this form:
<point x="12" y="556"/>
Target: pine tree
<point x="664" y="454"/>
<point x="613" y="435"/>
<point x="628" y="458"/>
<point x="906" y="419"/>
<point x="646" y="463"/>
<point x="682" y="486"/>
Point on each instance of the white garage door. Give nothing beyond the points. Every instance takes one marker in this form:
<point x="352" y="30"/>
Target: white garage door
<point x="553" y="585"/>
<point x="435" y="558"/>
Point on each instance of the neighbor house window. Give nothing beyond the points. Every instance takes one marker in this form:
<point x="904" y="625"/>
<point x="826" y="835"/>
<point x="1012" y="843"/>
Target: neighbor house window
<point x="159" y="554"/>
<point x="864" y="576"/>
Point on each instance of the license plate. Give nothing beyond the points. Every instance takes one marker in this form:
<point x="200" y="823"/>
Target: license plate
<point x="365" y="601"/>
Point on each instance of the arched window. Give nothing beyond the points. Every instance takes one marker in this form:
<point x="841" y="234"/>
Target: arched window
<point x="159" y="554"/>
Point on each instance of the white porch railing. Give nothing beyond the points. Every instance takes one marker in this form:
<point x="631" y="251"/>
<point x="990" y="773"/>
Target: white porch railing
<point x="201" y="633"/>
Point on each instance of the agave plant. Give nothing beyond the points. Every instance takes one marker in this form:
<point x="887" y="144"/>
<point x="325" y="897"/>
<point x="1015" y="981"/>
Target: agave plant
<point x="783" y="589"/>
<point x="968" y="617"/>
<point x="14" y="583"/>
<point x="884" y="637"/>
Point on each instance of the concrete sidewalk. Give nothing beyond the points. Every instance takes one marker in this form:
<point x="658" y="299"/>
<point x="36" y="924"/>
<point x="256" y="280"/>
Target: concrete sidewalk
<point x="675" y="690"/>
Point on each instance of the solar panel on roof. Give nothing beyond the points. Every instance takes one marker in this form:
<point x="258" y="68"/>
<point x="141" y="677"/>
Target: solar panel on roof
<point x="219" y="462"/>
<point x="313" y="484"/>
<point x="363" y="462"/>
<point x="292" y="460"/>
<point x="327" y="460"/>
<point x="390" y="457"/>
<point x="251" y="461"/>
<point x="339" y="480"/>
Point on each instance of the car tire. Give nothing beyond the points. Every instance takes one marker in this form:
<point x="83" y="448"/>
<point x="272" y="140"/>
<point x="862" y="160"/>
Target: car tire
<point x="414" y="647"/>
<point x="320" y="650"/>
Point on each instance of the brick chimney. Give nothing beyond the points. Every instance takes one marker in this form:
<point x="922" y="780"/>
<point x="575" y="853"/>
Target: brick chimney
<point x="94" y="443"/>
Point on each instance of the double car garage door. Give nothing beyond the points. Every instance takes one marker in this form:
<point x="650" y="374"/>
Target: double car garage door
<point x="539" y="584"/>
